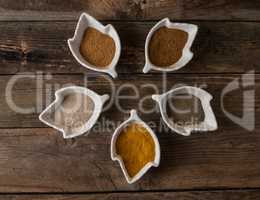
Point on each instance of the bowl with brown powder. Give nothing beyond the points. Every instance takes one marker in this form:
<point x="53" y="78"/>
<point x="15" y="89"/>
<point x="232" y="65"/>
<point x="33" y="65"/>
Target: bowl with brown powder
<point x="187" y="109"/>
<point x="167" y="46"/>
<point x="95" y="46"/>
<point x="74" y="111"/>
<point x="135" y="146"/>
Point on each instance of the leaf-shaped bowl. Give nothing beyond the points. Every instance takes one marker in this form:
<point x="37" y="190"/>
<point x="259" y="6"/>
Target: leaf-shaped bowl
<point x="134" y="118"/>
<point x="208" y="124"/>
<point x="74" y="43"/>
<point x="59" y="96"/>
<point x="187" y="55"/>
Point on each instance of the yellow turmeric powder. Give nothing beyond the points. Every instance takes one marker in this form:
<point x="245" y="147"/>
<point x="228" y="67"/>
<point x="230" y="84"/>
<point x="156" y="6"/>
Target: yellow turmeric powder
<point x="136" y="147"/>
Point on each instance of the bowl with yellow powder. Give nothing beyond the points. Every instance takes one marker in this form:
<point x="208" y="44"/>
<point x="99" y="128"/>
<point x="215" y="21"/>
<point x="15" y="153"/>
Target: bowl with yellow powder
<point x="95" y="46"/>
<point x="74" y="111"/>
<point x="135" y="146"/>
<point x="186" y="109"/>
<point x="167" y="46"/>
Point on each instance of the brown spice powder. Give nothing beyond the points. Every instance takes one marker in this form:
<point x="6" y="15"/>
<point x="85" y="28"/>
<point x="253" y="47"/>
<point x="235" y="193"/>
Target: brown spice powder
<point x="97" y="48"/>
<point x="166" y="46"/>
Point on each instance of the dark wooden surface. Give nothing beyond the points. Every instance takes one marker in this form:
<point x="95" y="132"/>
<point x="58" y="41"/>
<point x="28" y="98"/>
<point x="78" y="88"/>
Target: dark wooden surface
<point x="209" y="195"/>
<point x="221" y="47"/>
<point x="36" y="163"/>
<point x="131" y="9"/>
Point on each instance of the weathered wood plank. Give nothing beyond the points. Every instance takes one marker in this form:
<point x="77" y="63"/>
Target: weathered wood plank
<point x="131" y="9"/>
<point x="34" y="92"/>
<point x="227" y="158"/>
<point x="39" y="160"/>
<point x="219" y="48"/>
<point x="209" y="195"/>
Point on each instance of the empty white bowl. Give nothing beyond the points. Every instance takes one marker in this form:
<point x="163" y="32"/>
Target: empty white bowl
<point x="134" y="118"/>
<point x="59" y="96"/>
<point x="74" y="43"/>
<point x="209" y="123"/>
<point x="187" y="55"/>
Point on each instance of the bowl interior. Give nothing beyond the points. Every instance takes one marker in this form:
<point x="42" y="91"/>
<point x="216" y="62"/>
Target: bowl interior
<point x="85" y="22"/>
<point x="186" y="53"/>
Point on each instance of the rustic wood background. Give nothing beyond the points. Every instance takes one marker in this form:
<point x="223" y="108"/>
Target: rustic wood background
<point x="36" y="163"/>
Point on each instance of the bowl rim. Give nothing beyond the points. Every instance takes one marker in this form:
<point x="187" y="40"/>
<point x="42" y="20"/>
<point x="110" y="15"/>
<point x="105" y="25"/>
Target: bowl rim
<point x="134" y="118"/>
<point x="59" y="96"/>
<point x="208" y="124"/>
<point x="187" y="55"/>
<point x="85" y="21"/>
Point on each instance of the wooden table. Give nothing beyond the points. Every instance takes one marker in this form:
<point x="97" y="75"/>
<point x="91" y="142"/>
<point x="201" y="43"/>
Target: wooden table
<point x="37" y="163"/>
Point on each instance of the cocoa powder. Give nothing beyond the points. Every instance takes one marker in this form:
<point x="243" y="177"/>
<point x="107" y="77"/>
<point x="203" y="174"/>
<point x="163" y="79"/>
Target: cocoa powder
<point x="97" y="48"/>
<point x="166" y="46"/>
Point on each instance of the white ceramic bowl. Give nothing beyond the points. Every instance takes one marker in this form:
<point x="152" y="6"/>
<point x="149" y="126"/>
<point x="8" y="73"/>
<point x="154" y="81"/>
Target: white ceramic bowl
<point x="134" y="118"/>
<point x="59" y="96"/>
<point x="209" y="123"/>
<point x="84" y="22"/>
<point x="187" y="55"/>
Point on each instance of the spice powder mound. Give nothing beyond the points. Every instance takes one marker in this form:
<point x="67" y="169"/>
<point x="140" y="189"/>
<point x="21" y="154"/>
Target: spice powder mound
<point x="97" y="48"/>
<point x="166" y="46"/>
<point x="72" y="113"/>
<point x="136" y="147"/>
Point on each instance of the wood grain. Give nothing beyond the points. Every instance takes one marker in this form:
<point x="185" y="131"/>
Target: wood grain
<point x="42" y="46"/>
<point x="131" y="9"/>
<point x="35" y="91"/>
<point x="35" y="158"/>
<point x="203" y="195"/>
<point x="39" y="160"/>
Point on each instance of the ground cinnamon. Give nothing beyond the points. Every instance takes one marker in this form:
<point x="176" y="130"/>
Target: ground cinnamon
<point x="136" y="147"/>
<point x="166" y="46"/>
<point x="97" y="48"/>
